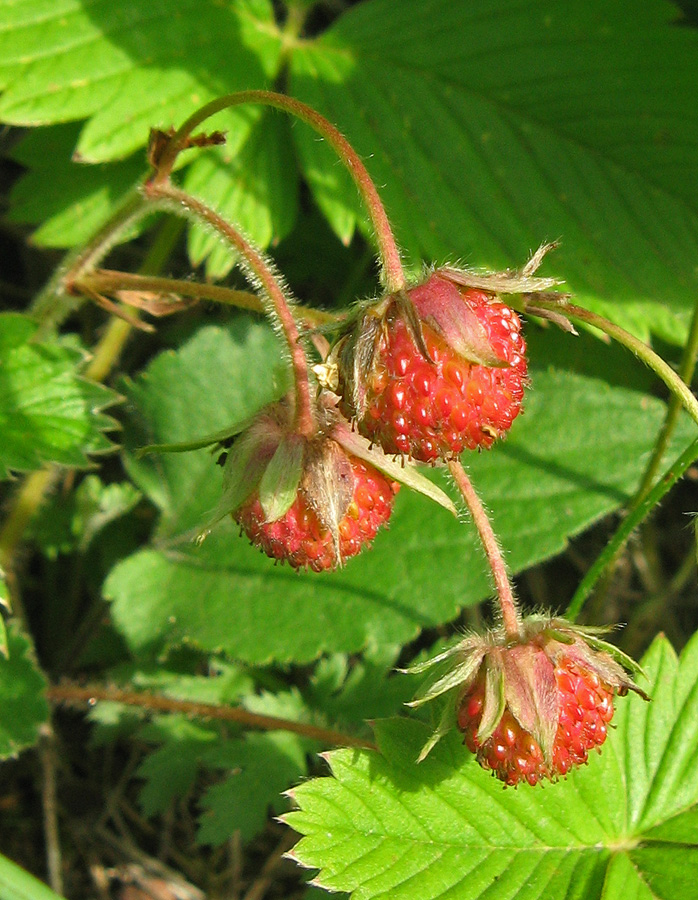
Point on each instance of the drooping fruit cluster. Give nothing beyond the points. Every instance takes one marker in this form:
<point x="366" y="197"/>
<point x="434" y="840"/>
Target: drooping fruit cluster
<point x="585" y="707"/>
<point x="311" y="500"/>
<point x="304" y="539"/>
<point x="532" y="708"/>
<point x="436" y="371"/>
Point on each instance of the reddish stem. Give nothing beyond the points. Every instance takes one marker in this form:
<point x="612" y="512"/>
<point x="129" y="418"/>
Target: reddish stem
<point x="393" y="275"/>
<point x="90" y="694"/>
<point x="261" y="273"/>
<point x="505" y="593"/>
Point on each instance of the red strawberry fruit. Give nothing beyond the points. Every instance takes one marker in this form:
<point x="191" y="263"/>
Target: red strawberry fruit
<point x="533" y="708"/>
<point x="434" y="371"/>
<point x="312" y="501"/>
<point x="303" y="539"/>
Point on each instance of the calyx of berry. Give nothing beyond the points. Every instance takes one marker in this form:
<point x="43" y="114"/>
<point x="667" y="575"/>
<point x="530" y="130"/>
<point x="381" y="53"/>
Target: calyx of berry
<point x="514" y="699"/>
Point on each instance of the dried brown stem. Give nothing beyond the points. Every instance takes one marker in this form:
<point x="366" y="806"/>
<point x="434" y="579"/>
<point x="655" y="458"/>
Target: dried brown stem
<point x="68" y="692"/>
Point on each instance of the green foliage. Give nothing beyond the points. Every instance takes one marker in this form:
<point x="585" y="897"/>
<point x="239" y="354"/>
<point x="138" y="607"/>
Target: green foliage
<point x="23" y="707"/>
<point x="381" y="825"/>
<point x="534" y="125"/>
<point x="48" y="413"/>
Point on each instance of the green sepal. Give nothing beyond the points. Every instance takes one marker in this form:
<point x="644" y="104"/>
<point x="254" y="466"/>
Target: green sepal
<point x="279" y="484"/>
<point x="208" y="440"/>
<point x="446" y="720"/>
<point x="242" y="473"/>
<point x="399" y="470"/>
<point x="495" y="702"/>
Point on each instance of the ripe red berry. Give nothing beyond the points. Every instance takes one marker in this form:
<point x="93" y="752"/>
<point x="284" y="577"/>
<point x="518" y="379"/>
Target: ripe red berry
<point x="530" y="707"/>
<point x="584" y="706"/>
<point x="300" y="538"/>
<point x="449" y="380"/>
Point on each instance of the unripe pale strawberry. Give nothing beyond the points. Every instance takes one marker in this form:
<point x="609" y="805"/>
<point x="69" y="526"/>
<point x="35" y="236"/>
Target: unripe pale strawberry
<point x="312" y="501"/>
<point x="436" y="370"/>
<point x="533" y="708"/>
<point x="301" y="537"/>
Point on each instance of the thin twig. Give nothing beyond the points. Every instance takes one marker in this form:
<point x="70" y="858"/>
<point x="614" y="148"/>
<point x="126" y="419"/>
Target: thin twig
<point x="47" y="757"/>
<point x="68" y="692"/>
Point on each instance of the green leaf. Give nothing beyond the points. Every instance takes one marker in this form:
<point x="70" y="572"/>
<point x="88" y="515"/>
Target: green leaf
<point x="542" y="485"/>
<point x="129" y="66"/>
<point x="23" y="707"/>
<point x="243" y="367"/>
<point x="384" y="826"/>
<point x="48" y="413"/>
<point x="171" y="770"/>
<point x="493" y="127"/>
<point x="68" y="200"/>
<point x="17" y="884"/>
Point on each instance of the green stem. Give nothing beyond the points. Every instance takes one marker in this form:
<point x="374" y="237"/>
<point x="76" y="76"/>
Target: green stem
<point x="113" y="283"/>
<point x="685" y="373"/>
<point x="493" y="552"/>
<point x="629" y="523"/>
<point x="392" y="273"/>
<point x="662" y="369"/>
<point x="260" y="272"/>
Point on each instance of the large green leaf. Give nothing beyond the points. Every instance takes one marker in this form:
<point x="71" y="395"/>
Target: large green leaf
<point x="23" y="706"/>
<point x="624" y="826"/>
<point x="48" y="413"/>
<point x="494" y="126"/>
<point x="127" y="67"/>
<point x="574" y="456"/>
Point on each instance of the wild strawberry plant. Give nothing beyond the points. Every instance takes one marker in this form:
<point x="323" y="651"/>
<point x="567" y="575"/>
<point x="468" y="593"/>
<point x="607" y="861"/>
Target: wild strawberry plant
<point x="175" y="401"/>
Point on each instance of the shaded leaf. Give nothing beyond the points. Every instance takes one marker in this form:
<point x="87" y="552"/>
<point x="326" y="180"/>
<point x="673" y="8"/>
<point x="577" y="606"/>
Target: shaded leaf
<point x="496" y="126"/>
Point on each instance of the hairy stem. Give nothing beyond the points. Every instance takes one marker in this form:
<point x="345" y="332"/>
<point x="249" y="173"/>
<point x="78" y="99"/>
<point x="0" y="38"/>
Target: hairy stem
<point x="493" y="552"/>
<point x="68" y="692"/>
<point x="261" y="272"/>
<point x="392" y="273"/>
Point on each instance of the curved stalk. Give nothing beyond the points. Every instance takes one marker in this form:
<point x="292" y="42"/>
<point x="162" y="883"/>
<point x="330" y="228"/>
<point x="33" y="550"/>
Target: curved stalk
<point x="685" y="373"/>
<point x="651" y="359"/>
<point x="392" y="273"/>
<point x="261" y="273"/>
<point x="56" y="300"/>
<point x="493" y="552"/>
